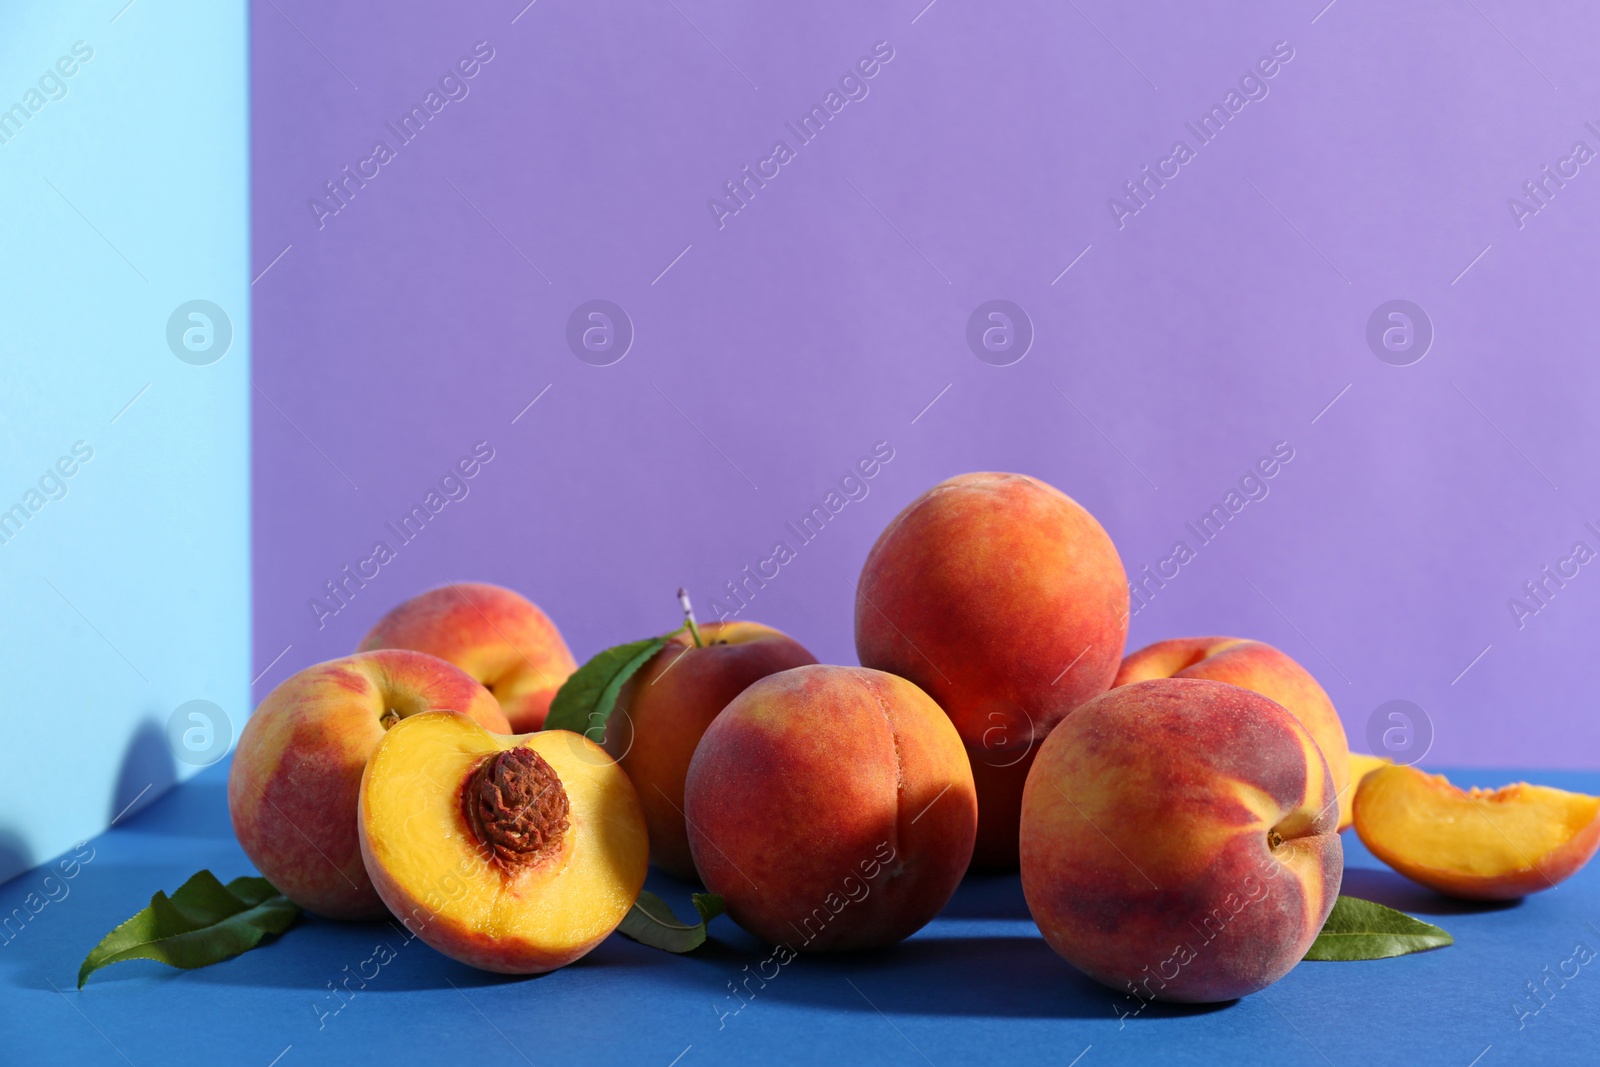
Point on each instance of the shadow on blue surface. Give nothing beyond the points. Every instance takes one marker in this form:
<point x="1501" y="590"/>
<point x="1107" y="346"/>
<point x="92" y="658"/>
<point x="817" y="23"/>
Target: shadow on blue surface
<point x="1001" y="976"/>
<point x="15" y="857"/>
<point x="1398" y="892"/>
<point x="202" y="814"/>
<point x="148" y="771"/>
<point x="989" y="896"/>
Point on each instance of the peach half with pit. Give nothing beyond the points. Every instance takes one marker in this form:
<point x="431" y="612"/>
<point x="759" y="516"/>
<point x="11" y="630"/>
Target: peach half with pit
<point x="514" y="854"/>
<point x="295" y="782"/>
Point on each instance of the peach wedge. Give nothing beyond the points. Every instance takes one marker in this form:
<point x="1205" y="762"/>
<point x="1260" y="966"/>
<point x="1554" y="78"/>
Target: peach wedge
<point x="513" y="854"/>
<point x="1481" y="844"/>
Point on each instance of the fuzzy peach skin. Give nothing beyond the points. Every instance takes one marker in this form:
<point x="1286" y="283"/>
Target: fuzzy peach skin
<point x="664" y="710"/>
<point x="1179" y="841"/>
<point x="1263" y="669"/>
<point x="1007" y="602"/>
<point x="832" y="808"/>
<point x="449" y="885"/>
<point x="1479" y="844"/>
<point x="296" y="775"/>
<point x="499" y="637"/>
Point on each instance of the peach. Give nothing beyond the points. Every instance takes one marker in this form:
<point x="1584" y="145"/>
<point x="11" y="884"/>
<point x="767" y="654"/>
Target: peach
<point x="511" y="854"/>
<point x="295" y="781"/>
<point x="1006" y="601"/>
<point x="1265" y="670"/>
<point x="1484" y="844"/>
<point x="832" y="808"/>
<point x="1179" y="842"/>
<point x="664" y="710"/>
<point x="497" y="636"/>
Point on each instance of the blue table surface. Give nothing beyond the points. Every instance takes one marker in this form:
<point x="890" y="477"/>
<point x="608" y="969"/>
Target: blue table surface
<point x="976" y="985"/>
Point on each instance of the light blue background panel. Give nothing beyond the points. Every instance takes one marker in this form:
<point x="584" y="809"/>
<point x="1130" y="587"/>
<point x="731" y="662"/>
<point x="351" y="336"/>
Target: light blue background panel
<point x="124" y="469"/>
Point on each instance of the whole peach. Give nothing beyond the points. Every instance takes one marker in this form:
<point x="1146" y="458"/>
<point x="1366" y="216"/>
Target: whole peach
<point x="295" y="782"/>
<point x="499" y="637"/>
<point x="832" y="808"/>
<point x="1178" y="840"/>
<point x="1007" y="602"/>
<point x="1259" y="667"/>
<point x="664" y="710"/>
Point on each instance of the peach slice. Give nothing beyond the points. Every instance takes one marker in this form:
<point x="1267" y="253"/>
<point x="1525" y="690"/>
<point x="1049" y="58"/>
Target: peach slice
<point x="512" y="854"/>
<point x="1481" y="844"/>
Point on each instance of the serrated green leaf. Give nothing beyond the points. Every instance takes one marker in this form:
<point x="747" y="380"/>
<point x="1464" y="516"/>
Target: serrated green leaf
<point x="1361" y="930"/>
<point x="204" y="922"/>
<point x="651" y="922"/>
<point x="585" y="700"/>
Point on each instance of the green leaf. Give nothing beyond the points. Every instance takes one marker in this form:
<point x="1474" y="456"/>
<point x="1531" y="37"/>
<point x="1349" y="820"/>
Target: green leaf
<point x="1361" y="930"/>
<point x="651" y="922"/>
<point x="204" y="922"/>
<point x="585" y="700"/>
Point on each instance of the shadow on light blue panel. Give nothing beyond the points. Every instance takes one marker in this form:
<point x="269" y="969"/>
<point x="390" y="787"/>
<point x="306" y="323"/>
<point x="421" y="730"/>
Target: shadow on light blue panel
<point x="124" y="380"/>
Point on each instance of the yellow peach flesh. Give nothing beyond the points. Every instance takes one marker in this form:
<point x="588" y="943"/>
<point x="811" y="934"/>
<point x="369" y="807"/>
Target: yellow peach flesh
<point x="1478" y="843"/>
<point x="413" y="831"/>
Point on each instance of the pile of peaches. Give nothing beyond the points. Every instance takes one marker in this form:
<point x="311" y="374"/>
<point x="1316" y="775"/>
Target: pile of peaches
<point x="1173" y="810"/>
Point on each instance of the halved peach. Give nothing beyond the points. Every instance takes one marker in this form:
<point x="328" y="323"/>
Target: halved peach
<point x="1481" y="844"/>
<point x="513" y="854"/>
<point x="1361" y="765"/>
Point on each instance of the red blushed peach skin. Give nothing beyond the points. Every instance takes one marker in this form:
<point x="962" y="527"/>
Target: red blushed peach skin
<point x="1178" y="840"/>
<point x="296" y="776"/>
<point x="1484" y="844"/>
<point x="1263" y="669"/>
<point x="497" y="636"/>
<point x="528" y="887"/>
<point x="832" y="808"/>
<point x="1006" y="602"/>
<point x="664" y="710"/>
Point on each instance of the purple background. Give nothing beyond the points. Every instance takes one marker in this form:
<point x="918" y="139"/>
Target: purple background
<point x="828" y="313"/>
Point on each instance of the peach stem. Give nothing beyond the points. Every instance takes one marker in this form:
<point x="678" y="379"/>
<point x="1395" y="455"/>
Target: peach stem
<point x="688" y="618"/>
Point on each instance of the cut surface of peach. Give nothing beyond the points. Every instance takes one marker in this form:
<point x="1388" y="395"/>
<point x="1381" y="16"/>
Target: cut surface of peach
<point x="516" y="854"/>
<point x="1480" y="844"/>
